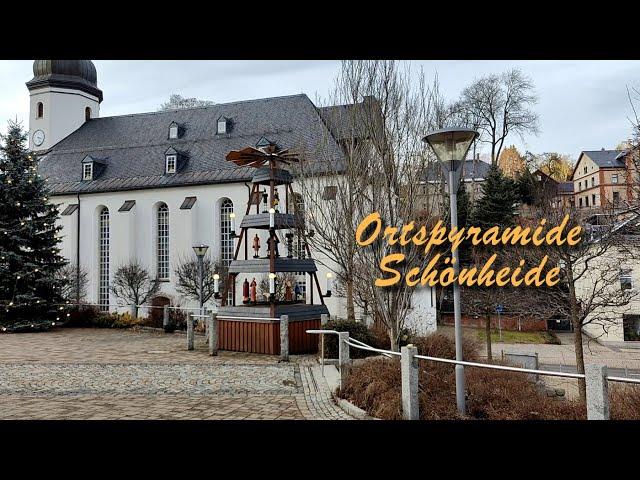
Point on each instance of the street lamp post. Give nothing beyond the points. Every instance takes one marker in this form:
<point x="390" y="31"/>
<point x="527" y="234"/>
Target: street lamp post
<point x="450" y="146"/>
<point x="201" y="251"/>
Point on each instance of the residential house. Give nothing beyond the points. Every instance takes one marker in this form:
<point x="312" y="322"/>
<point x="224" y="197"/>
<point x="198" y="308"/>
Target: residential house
<point x="601" y="181"/>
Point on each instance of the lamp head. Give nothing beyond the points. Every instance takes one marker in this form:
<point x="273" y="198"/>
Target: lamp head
<point x="216" y="276"/>
<point x="232" y="215"/>
<point x="451" y="144"/>
<point x="201" y="250"/>
<point x="272" y="210"/>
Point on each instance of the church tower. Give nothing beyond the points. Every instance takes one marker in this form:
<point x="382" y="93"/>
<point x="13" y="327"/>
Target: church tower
<point x="63" y="95"/>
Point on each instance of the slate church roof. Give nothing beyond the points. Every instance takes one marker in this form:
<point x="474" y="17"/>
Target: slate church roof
<point x="132" y="147"/>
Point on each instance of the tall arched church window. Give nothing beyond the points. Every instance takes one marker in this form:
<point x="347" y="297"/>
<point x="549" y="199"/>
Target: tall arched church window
<point x="103" y="253"/>
<point x="163" y="242"/>
<point x="39" y="110"/>
<point x="226" y="241"/>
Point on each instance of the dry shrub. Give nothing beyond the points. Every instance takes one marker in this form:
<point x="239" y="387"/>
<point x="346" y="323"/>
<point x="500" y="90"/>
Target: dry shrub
<point x="375" y="386"/>
<point x="501" y="395"/>
<point x="625" y="401"/>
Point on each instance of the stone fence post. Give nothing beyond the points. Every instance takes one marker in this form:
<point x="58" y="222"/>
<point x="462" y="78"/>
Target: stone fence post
<point x="597" y="392"/>
<point x="409" y="370"/>
<point x="132" y="310"/>
<point x="165" y="317"/>
<point x="190" y="331"/>
<point x="284" y="338"/>
<point x="212" y="330"/>
<point x="343" y="356"/>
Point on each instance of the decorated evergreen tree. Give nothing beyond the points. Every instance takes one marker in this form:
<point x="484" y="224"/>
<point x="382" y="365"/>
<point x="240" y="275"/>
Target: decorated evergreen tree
<point x="29" y="255"/>
<point x="498" y="205"/>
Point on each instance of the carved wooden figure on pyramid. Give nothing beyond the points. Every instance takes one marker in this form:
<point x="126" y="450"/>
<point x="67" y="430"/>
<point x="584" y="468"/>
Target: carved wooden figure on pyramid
<point x="264" y="201"/>
<point x="288" y="294"/>
<point x="245" y="291"/>
<point x="272" y="245"/>
<point x="256" y="246"/>
<point x="276" y="201"/>
<point x="297" y="291"/>
<point x="254" y="292"/>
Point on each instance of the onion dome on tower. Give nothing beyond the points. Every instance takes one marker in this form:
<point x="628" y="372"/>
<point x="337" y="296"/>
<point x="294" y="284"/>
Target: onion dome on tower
<point x="73" y="74"/>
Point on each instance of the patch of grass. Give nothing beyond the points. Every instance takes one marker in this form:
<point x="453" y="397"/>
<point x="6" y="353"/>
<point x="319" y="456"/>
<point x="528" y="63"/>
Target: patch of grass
<point x="514" y="336"/>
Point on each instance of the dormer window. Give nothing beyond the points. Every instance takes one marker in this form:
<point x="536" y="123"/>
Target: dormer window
<point x="222" y="125"/>
<point x="87" y="171"/>
<point x="173" y="131"/>
<point x="171" y="163"/>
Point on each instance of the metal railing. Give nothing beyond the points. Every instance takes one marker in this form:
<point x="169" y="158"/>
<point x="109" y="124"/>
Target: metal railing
<point x="597" y="408"/>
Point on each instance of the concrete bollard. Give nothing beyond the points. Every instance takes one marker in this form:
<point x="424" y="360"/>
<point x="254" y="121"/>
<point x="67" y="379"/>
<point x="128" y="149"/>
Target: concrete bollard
<point x="132" y="311"/>
<point x="343" y="356"/>
<point x="212" y="329"/>
<point x="284" y="338"/>
<point x="597" y="392"/>
<point x="409" y="370"/>
<point x="165" y="317"/>
<point x="190" y="331"/>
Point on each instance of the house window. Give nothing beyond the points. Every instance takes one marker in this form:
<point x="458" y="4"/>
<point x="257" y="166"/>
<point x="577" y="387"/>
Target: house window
<point x="625" y="279"/>
<point x="579" y="186"/>
<point x="39" y="110"/>
<point x="172" y="160"/>
<point x="616" y="198"/>
<point x="87" y="171"/>
<point x="593" y="181"/>
<point x="330" y="192"/>
<point x="614" y="178"/>
<point x="631" y="327"/>
<point x="585" y="169"/>
<point x="103" y="259"/>
<point x="580" y="202"/>
<point x="173" y="131"/>
<point x="87" y="114"/>
<point x="302" y="286"/>
<point x="226" y="241"/>
<point x="586" y="201"/>
<point x="593" y="200"/>
<point x="222" y="125"/>
<point x="163" y="242"/>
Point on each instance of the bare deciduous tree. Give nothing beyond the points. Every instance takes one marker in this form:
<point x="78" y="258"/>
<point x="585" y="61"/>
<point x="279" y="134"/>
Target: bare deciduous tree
<point x="133" y="284"/>
<point x="177" y="102"/>
<point x="500" y="105"/>
<point x="188" y="279"/>
<point x="74" y="283"/>
<point x="523" y="303"/>
<point x="388" y="111"/>
<point x="591" y="273"/>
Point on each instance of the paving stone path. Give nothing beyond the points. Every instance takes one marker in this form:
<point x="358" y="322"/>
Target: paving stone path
<point x="93" y="374"/>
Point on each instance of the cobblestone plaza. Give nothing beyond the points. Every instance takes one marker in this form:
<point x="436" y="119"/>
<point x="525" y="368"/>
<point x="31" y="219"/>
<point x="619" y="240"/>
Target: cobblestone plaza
<point x="123" y="374"/>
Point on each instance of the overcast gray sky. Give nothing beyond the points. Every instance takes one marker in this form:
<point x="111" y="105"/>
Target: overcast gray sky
<point x="582" y="104"/>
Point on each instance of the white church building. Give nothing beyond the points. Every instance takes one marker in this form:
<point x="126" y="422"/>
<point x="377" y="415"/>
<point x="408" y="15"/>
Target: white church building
<point x="149" y="186"/>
